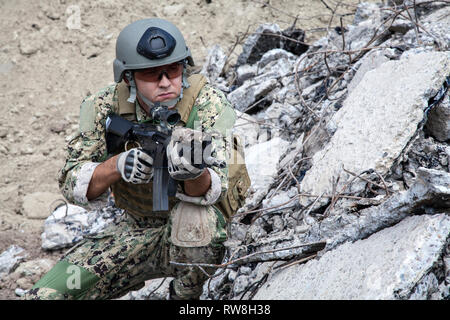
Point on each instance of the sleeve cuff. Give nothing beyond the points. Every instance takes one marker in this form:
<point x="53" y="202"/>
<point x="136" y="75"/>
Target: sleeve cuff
<point x="83" y="178"/>
<point x="210" y="197"/>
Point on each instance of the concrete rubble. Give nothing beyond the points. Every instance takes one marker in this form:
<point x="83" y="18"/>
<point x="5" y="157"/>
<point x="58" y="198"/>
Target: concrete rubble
<point x="10" y="259"/>
<point x="349" y="157"/>
<point x="69" y="224"/>
<point x="390" y="264"/>
<point x="366" y="175"/>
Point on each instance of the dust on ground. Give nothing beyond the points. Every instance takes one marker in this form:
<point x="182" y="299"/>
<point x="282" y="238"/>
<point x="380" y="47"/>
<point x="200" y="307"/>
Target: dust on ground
<point x="53" y="53"/>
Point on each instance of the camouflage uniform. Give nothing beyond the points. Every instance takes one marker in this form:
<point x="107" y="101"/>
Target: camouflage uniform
<point x="139" y="248"/>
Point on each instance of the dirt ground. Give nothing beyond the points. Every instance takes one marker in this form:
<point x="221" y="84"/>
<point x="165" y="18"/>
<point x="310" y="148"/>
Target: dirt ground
<point x="55" y="52"/>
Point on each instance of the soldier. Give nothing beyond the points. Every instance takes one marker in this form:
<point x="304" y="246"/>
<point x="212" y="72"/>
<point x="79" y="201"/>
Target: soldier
<point x="149" y="70"/>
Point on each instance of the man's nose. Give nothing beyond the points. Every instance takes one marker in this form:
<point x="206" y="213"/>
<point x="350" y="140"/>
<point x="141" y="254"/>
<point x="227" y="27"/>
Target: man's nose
<point x="164" y="80"/>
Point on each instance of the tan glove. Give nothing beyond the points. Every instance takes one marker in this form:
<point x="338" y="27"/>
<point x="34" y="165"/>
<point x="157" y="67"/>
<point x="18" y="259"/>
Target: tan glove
<point x="135" y="166"/>
<point x="185" y="153"/>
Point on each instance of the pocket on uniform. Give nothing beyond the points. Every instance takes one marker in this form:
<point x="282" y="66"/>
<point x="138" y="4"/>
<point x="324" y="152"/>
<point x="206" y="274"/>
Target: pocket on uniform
<point x="190" y="226"/>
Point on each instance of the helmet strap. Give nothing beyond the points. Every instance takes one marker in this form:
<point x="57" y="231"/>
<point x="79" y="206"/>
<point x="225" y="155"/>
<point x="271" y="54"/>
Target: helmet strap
<point x="133" y="89"/>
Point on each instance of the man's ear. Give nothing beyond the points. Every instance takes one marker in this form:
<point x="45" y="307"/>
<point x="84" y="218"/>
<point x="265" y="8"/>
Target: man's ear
<point x="126" y="80"/>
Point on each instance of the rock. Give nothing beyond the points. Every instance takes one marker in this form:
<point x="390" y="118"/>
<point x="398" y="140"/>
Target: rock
<point x="366" y="11"/>
<point x="277" y="201"/>
<point x="270" y="36"/>
<point x="245" y="270"/>
<point x="215" y="61"/>
<point x="296" y="47"/>
<point x="438" y="123"/>
<point x="9" y="198"/>
<point x="401" y="25"/>
<point x="429" y="194"/>
<point x="373" y="137"/>
<point x="275" y="55"/>
<point x="262" y="163"/>
<point x="276" y="69"/>
<point x="245" y="72"/>
<point x="25" y="283"/>
<point x="36" y="205"/>
<point x="425" y="288"/>
<point x="247" y="128"/>
<point x="34" y="268"/>
<point x="67" y="226"/>
<point x="20" y="292"/>
<point x="294" y="153"/>
<point x="154" y="289"/>
<point x="251" y="91"/>
<point x="387" y="265"/>
<point x="281" y="114"/>
<point x="240" y="284"/>
<point x="30" y="44"/>
<point x="238" y="231"/>
<point x="210" y="287"/>
<point x="58" y="126"/>
<point x="370" y="61"/>
<point x="60" y="232"/>
<point x="436" y="24"/>
<point x="10" y="258"/>
<point x="172" y="10"/>
<point x="258" y="43"/>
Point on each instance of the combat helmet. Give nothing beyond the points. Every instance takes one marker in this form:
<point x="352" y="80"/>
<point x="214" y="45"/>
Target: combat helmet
<point x="149" y="43"/>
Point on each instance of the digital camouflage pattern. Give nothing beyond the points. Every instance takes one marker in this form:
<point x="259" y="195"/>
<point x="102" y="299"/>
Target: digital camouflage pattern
<point x="139" y="248"/>
<point x="124" y="257"/>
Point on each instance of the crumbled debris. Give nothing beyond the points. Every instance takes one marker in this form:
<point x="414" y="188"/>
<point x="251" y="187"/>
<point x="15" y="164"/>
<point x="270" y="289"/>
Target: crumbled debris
<point x="298" y="101"/>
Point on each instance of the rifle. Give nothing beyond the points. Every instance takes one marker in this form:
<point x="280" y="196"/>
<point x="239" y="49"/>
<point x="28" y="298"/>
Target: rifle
<point x="153" y="139"/>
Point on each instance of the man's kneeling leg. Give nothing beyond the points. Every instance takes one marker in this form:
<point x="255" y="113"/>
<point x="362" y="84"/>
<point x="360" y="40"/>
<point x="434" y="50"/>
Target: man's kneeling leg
<point x="197" y="236"/>
<point x="63" y="281"/>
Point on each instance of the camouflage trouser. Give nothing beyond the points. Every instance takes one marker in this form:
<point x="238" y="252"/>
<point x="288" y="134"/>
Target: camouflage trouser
<point x="120" y="259"/>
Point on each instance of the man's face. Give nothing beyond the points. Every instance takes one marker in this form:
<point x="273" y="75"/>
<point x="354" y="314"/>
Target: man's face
<point x="160" y="84"/>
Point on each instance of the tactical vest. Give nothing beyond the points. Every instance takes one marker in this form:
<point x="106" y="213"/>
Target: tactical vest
<point x="136" y="199"/>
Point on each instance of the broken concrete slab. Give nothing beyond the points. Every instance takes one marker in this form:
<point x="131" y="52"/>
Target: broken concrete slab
<point x="377" y="120"/>
<point x="429" y="194"/>
<point x="274" y="55"/>
<point x="298" y="46"/>
<point x="68" y="225"/>
<point x="262" y="165"/>
<point x="436" y="24"/>
<point x="370" y="61"/>
<point x="262" y="161"/>
<point x="10" y="259"/>
<point x="245" y="72"/>
<point x="387" y="265"/>
<point x="258" y="43"/>
<point x="438" y="123"/>
<point x="154" y="289"/>
<point x="215" y="62"/>
<point x="251" y="91"/>
<point x="247" y="128"/>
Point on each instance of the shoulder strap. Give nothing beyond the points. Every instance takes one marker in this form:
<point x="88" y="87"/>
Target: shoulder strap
<point x="184" y="106"/>
<point x="124" y="107"/>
